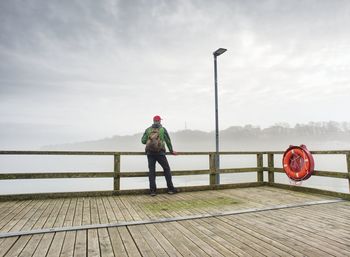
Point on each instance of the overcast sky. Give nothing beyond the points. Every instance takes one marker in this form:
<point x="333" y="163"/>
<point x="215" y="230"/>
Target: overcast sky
<point x="80" y="70"/>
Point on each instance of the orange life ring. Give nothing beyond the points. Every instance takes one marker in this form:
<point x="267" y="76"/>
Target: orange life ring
<point x="298" y="163"/>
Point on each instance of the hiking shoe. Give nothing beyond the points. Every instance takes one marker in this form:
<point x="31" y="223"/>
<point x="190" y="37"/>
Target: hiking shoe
<point x="153" y="193"/>
<point x="171" y="192"/>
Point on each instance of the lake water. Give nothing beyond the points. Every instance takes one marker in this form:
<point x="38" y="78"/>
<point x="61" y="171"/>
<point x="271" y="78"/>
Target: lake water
<point x="45" y="164"/>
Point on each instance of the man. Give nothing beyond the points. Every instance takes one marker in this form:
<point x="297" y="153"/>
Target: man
<point x="154" y="138"/>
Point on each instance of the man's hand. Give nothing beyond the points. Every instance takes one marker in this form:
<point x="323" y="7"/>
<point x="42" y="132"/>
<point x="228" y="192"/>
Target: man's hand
<point x="174" y="153"/>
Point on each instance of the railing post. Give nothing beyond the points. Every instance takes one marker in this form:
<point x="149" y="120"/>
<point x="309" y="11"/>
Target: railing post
<point x="212" y="176"/>
<point x="259" y="160"/>
<point x="271" y="165"/>
<point x="116" y="177"/>
<point x="348" y="164"/>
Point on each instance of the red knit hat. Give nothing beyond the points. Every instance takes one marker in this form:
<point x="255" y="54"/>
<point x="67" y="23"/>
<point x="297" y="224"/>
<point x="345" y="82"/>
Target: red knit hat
<point x="157" y="118"/>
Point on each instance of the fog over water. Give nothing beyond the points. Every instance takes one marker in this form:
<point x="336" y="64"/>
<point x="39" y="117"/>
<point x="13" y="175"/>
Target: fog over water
<point x="317" y="136"/>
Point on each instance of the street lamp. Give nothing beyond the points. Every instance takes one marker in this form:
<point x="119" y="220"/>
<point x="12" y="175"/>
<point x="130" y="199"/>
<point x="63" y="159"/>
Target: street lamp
<point x="217" y="158"/>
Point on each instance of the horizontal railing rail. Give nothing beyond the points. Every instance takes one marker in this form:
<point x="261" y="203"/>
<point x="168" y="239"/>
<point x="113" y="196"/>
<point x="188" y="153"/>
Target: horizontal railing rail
<point x="117" y="174"/>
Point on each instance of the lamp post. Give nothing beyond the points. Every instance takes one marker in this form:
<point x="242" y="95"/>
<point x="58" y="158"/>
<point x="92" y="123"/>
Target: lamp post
<point x="217" y="158"/>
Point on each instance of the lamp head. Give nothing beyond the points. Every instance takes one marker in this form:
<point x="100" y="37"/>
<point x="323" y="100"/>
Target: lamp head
<point x="219" y="51"/>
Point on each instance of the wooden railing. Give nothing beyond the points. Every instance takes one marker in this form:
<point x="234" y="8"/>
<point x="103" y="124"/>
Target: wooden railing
<point x="211" y="172"/>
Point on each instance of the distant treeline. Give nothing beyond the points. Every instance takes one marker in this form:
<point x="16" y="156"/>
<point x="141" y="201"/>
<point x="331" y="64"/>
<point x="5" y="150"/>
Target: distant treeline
<point x="319" y="135"/>
<point x="330" y="128"/>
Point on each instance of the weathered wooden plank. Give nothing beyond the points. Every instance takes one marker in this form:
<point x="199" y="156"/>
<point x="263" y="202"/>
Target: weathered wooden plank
<point x="266" y="197"/>
<point x="124" y="192"/>
<point x="122" y="208"/>
<point x="312" y="190"/>
<point x="152" y="241"/>
<point x="163" y="213"/>
<point x="38" y="196"/>
<point x="80" y="244"/>
<point x="68" y="220"/>
<point x="141" y="242"/>
<point x="207" y="201"/>
<point x="163" y="241"/>
<point x="212" y="177"/>
<point x="117" y="243"/>
<point x="50" y="222"/>
<point x="140" y="205"/>
<point x="340" y="212"/>
<point x="31" y="246"/>
<point x="128" y="242"/>
<point x="109" y="210"/>
<point x="260" y="162"/>
<point x="198" y="229"/>
<point x="56" y="153"/>
<point x="4" y="152"/>
<point x="94" y="212"/>
<point x="258" y="244"/>
<point x="116" y="174"/>
<point x="348" y="166"/>
<point x="222" y="240"/>
<point x="49" y="175"/>
<point x="78" y="215"/>
<point x="328" y="245"/>
<point x="45" y="214"/>
<point x="183" y="199"/>
<point x="312" y="227"/>
<point x="330" y="174"/>
<point x="31" y="222"/>
<point x="17" y="221"/>
<point x="308" y="247"/>
<point x="177" y="240"/>
<point x="68" y="244"/>
<point x="267" y="242"/>
<point x="116" y="210"/>
<point x="288" y="195"/>
<point x="173" y="172"/>
<point x="185" y="240"/>
<point x="185" y="207"/>
<point x="44" y="245"/>
<point x="329" y="220"/>
<point x="86" y="212"/>
<point x="62" y="213"/>
<point x="238" y="170"/>
<point x="7" y="244"/>
<point x="93" y="243"/>
<point x="230" y="235"/>
<point x="266" y="236"/>
<point x="125" y="200"/>
<point x="8" y="207"/>
<point x="186" y="203"/>
<point x="271" y="164"/>
<point x="101" y="211"/>
<point x="321" y="173"/>
<point x="105" y="243"/>
<point x="12" y="176"/>
<point x="17" y="247"/>
<point x="11" y="213"/>
<point x="56" y="245"/>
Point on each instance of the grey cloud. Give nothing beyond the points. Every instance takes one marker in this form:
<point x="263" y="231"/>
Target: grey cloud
<point x="102" y="60"/>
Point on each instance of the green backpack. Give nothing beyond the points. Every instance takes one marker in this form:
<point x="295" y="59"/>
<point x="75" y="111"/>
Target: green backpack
<point x="154" y="143"/>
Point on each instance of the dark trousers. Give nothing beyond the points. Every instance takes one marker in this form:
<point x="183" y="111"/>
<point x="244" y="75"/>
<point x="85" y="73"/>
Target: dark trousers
<point x="162" y="160"/>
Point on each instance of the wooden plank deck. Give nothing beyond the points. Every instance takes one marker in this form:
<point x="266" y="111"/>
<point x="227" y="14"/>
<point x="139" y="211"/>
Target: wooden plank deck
<point x="302" y="230"/>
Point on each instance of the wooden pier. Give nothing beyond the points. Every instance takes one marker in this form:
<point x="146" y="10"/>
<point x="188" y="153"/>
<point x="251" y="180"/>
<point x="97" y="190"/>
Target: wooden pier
<point x="253" y="219"/>
<point x="256" y="221"/>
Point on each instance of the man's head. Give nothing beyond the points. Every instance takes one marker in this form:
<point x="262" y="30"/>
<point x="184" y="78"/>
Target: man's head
<point x="157" y="119"/>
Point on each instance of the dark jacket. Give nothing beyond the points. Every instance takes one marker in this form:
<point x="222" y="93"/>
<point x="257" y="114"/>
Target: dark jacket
<point x="163" y="135"/>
